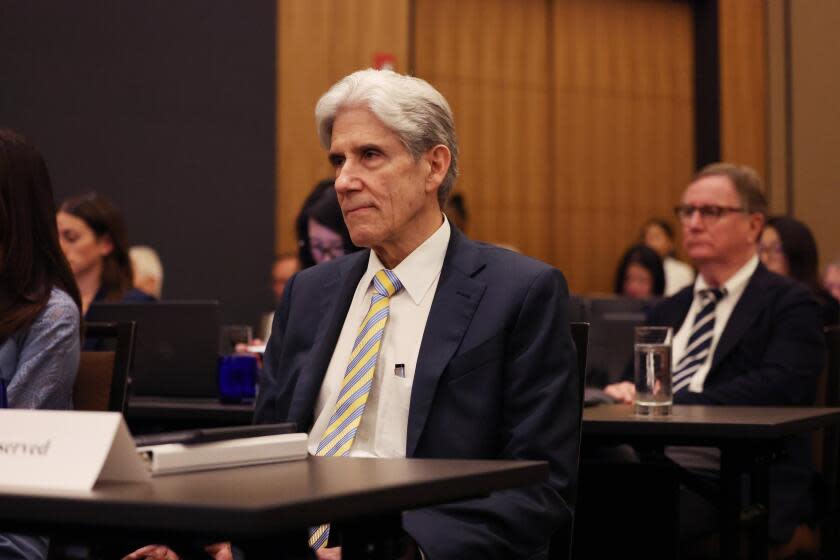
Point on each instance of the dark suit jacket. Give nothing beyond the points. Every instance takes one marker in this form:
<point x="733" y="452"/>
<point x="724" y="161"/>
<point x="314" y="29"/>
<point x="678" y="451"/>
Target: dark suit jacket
<point x="770" y="352"/>
<point x="495" y="378"/>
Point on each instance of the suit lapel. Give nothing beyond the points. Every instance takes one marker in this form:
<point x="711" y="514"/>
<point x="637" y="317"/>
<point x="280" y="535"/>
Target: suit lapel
<point x="749" y="306"/>
<point x="337" y="296"/>
<point x="456" y="299"/>
<point x="674" y="315"/>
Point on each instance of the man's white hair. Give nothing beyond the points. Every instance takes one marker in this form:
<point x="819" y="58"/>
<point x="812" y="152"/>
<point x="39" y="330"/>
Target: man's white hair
<point x="414" y="110"/>
<point x="145" y="263"/>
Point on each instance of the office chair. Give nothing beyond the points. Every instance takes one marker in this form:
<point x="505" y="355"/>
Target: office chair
<point x="104" y="372"/>
<point x="561" y="542"/>
<point x="828" y="448"/>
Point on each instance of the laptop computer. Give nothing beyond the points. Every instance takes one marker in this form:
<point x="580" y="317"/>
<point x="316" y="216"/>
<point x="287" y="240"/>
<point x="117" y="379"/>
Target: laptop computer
<point x="176" y="345"/>
<point x="611" y="335"/>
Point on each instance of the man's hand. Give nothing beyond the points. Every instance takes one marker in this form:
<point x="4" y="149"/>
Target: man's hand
<point x="218" y="551"/>
<point x="325" y="553"/>
<point x="154" y="552"/>
<point x="623" y="392"/>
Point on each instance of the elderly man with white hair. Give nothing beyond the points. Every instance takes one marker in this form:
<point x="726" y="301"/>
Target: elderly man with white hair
<point x="426" y="344"/>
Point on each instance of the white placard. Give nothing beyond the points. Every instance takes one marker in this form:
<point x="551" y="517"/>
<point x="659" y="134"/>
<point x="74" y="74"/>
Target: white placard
<point x="66" y="450"/>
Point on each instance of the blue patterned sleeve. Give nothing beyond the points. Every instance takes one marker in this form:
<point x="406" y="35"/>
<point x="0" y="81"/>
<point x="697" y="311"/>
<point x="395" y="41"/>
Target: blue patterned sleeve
<point x="48" y="358"/>
<point x="47" y="361"/>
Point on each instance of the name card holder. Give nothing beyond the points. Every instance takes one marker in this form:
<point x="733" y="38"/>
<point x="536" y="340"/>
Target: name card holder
<point x="66" y="450"/>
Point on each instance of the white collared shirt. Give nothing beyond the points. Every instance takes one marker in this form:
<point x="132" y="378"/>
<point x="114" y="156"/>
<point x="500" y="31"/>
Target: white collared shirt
<point x="734" y="289"/>
<point x="382" y="431"/>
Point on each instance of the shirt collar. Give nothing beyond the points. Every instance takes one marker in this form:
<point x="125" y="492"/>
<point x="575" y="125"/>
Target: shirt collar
<point x="734" y="285"/>
<point x="420" y="268"/>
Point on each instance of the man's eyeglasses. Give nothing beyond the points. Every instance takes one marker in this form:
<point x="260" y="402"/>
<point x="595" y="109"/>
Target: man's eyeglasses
<point x="709" y="213"/>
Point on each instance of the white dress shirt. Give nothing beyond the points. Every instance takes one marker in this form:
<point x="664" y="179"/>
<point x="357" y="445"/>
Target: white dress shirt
<point x="734" y="288"/>
<point x="384" y="424"/>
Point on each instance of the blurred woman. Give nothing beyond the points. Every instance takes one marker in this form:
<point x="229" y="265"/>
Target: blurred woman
<point x="39" y="302"/>
<point x="93" y="238"/>
<point x="787" y="247"/>
<point x="659" y="236"/>
<point x="321" y="231"/>
<point x="831" y="279"/>
<point x="640" y="274"/>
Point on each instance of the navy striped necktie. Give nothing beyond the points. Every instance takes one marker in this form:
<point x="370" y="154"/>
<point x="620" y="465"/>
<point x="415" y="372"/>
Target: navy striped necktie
<point x="699" y="343"/>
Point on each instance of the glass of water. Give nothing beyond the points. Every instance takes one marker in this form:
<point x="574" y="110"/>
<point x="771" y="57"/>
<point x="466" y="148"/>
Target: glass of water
<point x="652" y="360"/>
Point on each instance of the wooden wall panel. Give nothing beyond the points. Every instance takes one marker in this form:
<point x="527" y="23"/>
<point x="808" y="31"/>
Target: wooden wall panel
<point x="777" y="168"/>
<point x="575" y="117"/>
<point x="319" y="42"/>
<point x="815" y="121"/>
<point x="490" y="60"/>
<point x="743" y="84"/>
<point x="623" y="110"/>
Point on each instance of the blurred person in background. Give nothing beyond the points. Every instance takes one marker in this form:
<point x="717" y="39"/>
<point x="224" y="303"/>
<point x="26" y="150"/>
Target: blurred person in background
<point x="322" y="236"/>
<point x="743" y="336"/>
<point x="148" y="270"/>
<point x="456" y="211"/>
<point x="659" y="236"/>
<point x="787" y="247"/>
<point x="640" y="274"/>
<point x="284" y="267"/>
<point x="93" y="238"/>
<point x="321" y="232"/>
<point x="831" y="279"/>
<point x="39" y="303"/>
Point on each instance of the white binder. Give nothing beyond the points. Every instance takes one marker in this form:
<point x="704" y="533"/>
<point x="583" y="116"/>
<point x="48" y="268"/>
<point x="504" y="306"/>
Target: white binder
<point x="171" y="458"/>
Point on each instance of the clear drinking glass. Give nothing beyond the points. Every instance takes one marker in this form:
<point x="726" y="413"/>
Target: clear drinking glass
<point x="652" y="359"/>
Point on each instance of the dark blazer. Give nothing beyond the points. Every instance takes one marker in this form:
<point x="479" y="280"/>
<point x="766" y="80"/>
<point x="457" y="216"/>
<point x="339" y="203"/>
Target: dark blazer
<point x="770" y="352"/>
<point x="494" y="379"/>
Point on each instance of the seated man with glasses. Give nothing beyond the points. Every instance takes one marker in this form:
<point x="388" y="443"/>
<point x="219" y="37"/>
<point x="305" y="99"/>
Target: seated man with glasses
<point x="742" y="334"/>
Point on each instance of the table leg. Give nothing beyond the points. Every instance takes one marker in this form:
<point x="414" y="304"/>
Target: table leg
<point x="730" y="505"/>
<point x="760" y="495"/>
<point x="372" y="538"/>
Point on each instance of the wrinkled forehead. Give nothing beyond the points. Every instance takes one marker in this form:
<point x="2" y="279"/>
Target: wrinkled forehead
<point x="358" y="123"/>
<point x="712" y="190"/>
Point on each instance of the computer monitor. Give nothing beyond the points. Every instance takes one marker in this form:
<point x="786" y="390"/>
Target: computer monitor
<point x="611" y="332"/>
<point x="176" y="346"/>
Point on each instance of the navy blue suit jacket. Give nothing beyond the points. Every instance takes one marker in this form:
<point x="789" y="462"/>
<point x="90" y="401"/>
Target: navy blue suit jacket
<point x="495" y="378"/>
<point x="771" y="351"/>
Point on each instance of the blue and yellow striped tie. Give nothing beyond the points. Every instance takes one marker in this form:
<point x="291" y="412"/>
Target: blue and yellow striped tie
<point x="358" y="379"/>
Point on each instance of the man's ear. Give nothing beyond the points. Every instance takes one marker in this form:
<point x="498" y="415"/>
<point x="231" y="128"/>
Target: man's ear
<point x="756" y="226"/>
<point x="438" y="160"/>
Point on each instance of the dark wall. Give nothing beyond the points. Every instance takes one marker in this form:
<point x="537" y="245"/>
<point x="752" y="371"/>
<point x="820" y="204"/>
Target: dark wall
<point x="167" y="108"/>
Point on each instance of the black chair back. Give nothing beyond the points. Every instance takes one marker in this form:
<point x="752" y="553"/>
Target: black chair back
<point x="830" y="448"/>
<point x="561" y="542"/>
<point x="105" y="368"/>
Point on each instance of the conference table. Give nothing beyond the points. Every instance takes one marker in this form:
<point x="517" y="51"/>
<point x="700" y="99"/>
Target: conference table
<point x="748" y="439"/>
<point x="265" y="509"/>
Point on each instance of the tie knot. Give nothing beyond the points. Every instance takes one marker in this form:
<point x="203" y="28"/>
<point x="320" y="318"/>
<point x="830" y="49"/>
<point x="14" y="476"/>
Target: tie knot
<point x="712" y="294"/>
<point x="386" y="283"/>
